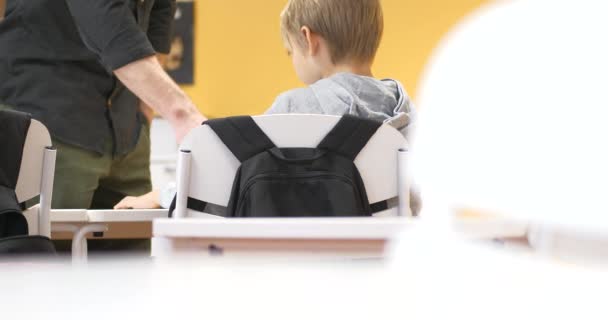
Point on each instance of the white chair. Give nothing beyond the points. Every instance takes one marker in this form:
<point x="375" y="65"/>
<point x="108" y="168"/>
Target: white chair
<point x="36" y="177"/>
<point x="206" y="168"/>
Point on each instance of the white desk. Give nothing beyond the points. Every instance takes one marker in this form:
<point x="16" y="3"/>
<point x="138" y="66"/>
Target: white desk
<point x="82" y="222"/>
<point x="108" y="216"/>
<point x="82" y="216"/>
<point x="442" y="280"/>
<point x="351" y="237"/>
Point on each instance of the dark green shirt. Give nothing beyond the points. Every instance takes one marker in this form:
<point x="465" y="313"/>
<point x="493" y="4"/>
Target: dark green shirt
<point x="57" y="59"/>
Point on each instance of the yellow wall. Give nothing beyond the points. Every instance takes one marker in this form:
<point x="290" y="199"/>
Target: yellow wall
<point x="241" y="65"/>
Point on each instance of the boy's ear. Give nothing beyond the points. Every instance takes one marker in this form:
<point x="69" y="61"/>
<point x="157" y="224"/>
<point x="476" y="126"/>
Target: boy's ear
<point x="312" y="40"/>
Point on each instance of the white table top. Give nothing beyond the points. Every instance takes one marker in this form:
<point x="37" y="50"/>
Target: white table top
<point x="440" y="280"/>
<point x="325" y="228"/>
<point x="304" y="228"/>
<point x="100" y="216"/>
<point x="79" y="215"/>
<point x="491" y="228"/>
<point x="126" y="215"/>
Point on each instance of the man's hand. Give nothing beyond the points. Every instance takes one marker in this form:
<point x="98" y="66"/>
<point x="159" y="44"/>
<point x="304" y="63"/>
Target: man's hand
<point x="155" y="88"/>
<point x="149" y="200"/>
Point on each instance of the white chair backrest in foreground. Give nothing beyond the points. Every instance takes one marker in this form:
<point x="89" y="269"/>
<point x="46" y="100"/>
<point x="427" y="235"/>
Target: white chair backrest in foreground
<point x="36" y="177"/>
<point x="207" y="168"/>
<point x="496" y="138"/>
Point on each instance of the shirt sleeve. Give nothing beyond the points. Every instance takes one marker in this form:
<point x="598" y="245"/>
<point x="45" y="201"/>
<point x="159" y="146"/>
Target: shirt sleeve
<point x="160" y="29"/>
<point x="108" y="28"/>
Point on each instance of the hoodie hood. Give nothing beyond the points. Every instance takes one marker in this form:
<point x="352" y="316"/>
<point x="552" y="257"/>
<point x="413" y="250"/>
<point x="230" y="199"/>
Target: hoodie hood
<point x="382" y="100"/>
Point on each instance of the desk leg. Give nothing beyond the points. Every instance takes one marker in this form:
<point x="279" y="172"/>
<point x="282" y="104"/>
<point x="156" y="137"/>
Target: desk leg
<point x="161" y="247"/>
<point x="79" y="242"/>
<point x="67" y="228"/>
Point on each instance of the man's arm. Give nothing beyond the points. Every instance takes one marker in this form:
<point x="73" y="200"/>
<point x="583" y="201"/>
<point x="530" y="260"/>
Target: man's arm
<point x="145" y="109"/>
<point x="160" y="30"/>
<point x="147" y="79"/>
<point x="108" y="28"/>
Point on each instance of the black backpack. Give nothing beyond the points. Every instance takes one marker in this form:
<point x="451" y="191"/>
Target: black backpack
<point x="294" y="182"/>
<point x="13" y="131"/>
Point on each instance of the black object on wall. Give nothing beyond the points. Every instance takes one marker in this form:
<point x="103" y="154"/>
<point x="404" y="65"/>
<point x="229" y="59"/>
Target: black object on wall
<point x="180" y="63"/>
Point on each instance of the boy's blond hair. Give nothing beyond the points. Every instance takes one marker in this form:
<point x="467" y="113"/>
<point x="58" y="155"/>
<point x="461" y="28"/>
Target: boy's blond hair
<point x="352" y="28"/>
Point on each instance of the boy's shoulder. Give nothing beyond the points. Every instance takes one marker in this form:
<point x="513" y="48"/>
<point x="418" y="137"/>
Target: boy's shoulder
<point x="299" y="100"/>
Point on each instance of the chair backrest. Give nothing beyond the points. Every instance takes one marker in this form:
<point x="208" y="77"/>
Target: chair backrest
<point x="30" y="174"/>
<point x="36" y="176"/>
<point x="213" y="167"/>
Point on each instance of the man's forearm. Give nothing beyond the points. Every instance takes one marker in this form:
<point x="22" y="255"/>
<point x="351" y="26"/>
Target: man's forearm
<point x="155" y="88"/>
<point x="145" y="109"/>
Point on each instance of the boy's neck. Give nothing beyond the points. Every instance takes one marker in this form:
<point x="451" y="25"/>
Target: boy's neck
<point x="354" y="68"/>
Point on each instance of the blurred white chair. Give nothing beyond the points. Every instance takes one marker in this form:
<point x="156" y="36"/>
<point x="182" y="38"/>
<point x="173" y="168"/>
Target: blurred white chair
<point x="513" y="121"/>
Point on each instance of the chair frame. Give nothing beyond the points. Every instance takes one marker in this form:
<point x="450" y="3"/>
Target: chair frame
<point x="36" y="177"/>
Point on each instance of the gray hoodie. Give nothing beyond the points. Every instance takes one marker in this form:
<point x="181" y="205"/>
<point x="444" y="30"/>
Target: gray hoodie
<point x="347" y="93"/>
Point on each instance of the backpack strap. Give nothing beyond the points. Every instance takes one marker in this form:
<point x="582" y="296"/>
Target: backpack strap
<point x="244" y="138"/>
<point x="350" y="135"/>
<point x="192" y="203"/>
<point x="241" y="135"/>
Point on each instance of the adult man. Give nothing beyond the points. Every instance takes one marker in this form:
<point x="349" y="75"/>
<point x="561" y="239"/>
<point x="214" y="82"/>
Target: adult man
<point x="69" y="63"/>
